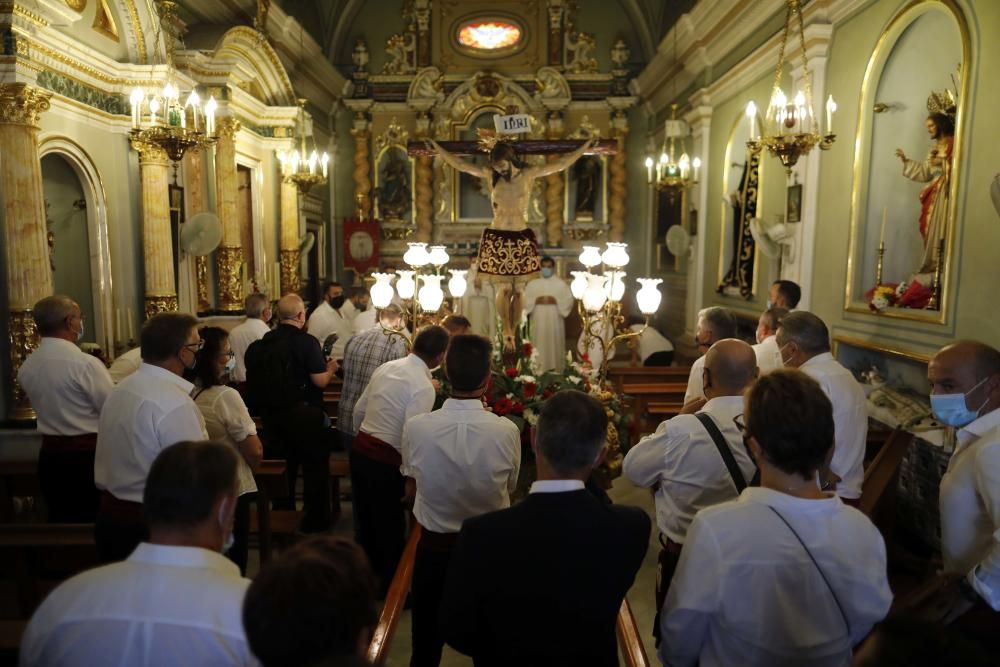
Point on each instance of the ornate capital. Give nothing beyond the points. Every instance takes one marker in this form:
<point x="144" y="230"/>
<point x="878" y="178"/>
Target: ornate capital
<point x="149" y="153"/>
<point x="20" y="103"/>
<point x="227" y="128"/>
<point x="160" y="303"/>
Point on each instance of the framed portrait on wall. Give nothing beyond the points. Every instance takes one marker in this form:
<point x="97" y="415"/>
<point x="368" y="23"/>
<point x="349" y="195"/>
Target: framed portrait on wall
<point x="793" y="210"/>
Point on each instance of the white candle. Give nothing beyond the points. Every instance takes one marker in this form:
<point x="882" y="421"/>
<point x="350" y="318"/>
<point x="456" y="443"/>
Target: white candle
<point x="881" y="238"/>
<point x="831" y="106"/>
<point x="697" y="165"/>
<point x="649" y="170"/>
<point x="752" y="117"/>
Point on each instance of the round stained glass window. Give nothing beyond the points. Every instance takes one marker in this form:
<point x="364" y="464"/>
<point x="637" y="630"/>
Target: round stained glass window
<point x="489" y="35"/>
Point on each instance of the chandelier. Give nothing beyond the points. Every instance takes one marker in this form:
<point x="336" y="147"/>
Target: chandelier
<point x="301" y="167"/>
<point x="790" y="126"/>
<point x="419" y="287"/>
<point x="159" y="118"/>
<point x="599" y="299"/>
<point x="675" y="170"/>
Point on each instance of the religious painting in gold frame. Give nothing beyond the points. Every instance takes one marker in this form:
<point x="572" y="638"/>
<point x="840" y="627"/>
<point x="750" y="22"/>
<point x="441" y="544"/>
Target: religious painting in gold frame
<point x="924" y="49"/>
<point x="470" y="195"/>
<point x="737" y="158"/>
<point x="395" y="176"/>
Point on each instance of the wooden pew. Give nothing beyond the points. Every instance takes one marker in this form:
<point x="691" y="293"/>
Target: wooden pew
<point x="271" y="484"/>
<point x="620" y="375"/>
<point x="40" y="555"/>
<point x="17" y="478"/>
<point x="630" y="638"/>
<point x="667" y="397"/>
<point x="378" y="649"/>
<point x="878" y="488"/>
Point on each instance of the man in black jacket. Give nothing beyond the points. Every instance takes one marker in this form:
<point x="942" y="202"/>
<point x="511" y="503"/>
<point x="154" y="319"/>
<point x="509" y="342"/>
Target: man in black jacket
<point x="542" y="582"/>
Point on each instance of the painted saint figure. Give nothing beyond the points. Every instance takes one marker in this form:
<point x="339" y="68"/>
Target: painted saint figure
<point x="935" y="170"/>
<point x="508" y="251"/>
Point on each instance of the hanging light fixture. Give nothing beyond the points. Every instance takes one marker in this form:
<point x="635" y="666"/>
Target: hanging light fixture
<point x="302" y="167"/>
<point x="159" y="117"/>
<point x="675" y="170"/>
<point x="791" y="129"/>
<point x="457" y="284"/>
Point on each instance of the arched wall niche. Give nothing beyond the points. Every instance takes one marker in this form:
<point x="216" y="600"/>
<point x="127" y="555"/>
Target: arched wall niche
<point x="925" y="48"/>
<point x="97" y="231"/>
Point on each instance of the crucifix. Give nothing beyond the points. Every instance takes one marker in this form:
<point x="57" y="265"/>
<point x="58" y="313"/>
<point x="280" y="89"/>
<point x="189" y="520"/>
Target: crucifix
<point x="508" y="250"/>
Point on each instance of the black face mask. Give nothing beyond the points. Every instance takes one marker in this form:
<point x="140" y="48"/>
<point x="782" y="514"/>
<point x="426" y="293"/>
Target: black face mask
<point x="337" y="301"/>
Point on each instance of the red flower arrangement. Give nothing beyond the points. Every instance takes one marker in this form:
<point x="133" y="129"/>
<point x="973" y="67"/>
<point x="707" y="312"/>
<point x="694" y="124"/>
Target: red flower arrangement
<point x="527" y="349"/>
<point x="512" y="372"/>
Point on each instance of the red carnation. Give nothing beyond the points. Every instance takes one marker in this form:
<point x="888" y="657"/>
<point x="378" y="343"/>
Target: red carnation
<point x="511" y="372"/>
<point x="529" y="389"/>
<point x="502" y="406"/>
<point x="547" y="393"/>
<point x="517" y="408"/>
<point x="526" y="349"/>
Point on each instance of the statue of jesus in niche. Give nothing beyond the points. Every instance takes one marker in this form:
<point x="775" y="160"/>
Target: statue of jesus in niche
<point x="508" y="251"/>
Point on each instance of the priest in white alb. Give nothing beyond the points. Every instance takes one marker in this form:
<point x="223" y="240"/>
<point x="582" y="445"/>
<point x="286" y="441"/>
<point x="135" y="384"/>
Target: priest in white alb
<point x="548" y="301"/>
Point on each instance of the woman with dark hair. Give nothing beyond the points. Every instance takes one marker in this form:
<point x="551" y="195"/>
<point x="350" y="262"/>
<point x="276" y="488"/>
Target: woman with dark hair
<point x="787" y="574"/>
<point x="228" y="420"/>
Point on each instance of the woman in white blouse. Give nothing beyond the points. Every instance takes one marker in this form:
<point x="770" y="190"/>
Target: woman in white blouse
<point x="787" y="574"/>
<point x="228" y="420"/>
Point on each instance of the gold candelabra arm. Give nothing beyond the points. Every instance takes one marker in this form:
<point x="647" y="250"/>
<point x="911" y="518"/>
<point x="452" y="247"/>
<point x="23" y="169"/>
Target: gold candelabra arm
<point x="935" y="301"/>
<point x="602" y="373"/>
<point x="879" y="264"/>
<point x="392" y="331"/>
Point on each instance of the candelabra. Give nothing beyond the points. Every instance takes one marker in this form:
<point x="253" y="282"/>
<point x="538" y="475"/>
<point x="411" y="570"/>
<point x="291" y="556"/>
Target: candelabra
<point x="599" y="297"/>
<point x="675" y="170"/>
<point x="301" y="167"/>
<point x="419" y="288"/>
<point x="790" y="128"/>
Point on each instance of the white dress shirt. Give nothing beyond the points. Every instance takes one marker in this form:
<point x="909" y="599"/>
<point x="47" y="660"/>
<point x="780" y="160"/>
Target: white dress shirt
<point x="747" y="593"/>
<point x="398" y="390"/>
<point x="850" y="421"/>
<point x="164" y="605"/>
<point x="325" y="321"/>
<point x="228" y="420"/>
<point x="67" y="387"/>
<point x="364" y="320"/>
<point x="696" y="388"/>
<point x="651" y="341"/>
<point x="768" y="355"/>
<point x="240" y="339"/>
<point x="125" y="364"/>
<point x="970" y="507"/>
<point x="681" y="457"/>
<point x="149" y="411"/>
<point x="465" y="461"/>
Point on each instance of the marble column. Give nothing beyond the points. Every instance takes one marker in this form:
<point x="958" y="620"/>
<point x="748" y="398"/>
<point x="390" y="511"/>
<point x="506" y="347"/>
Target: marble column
<point x="195" y="202"/>
<point x="229" y="256"/>
<point x="362" y="167"/>
<point x="29" y="276"/>
<point x="289" y="239"/>
<point x="157" y="244"/>
<point x="616" y="202"/>
<point x="424" y="185"/>
<point x="554" y="185"/>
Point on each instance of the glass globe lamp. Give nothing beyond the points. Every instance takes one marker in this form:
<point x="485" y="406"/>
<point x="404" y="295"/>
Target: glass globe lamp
<point x="594" y="297"/>
<point x="648" y="296"/>
<point x="430" y="295"/>
<point x="437" y="255"/>
<point x="416" y="256"/>
<point x="579" y="284"/>
<point x="615" y="285"/>
<point x="381" y="291"/>
<point x="591" y="256"/>
<point x="405" y="286"/>
<point x="457" y="284"/>
<point x="616" y="255"/>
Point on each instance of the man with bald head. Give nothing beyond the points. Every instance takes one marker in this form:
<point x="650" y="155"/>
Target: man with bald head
<point x="295" y="420"/>
<point x="67" y="388"/>
<point x="683" y="459"/>
<point x="965" y="394"/>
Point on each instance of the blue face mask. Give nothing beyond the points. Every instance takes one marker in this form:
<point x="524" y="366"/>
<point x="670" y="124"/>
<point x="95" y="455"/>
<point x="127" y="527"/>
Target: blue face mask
<point x="951" y="410"/>
<point x="546" y="271"/>
<point x="231" y="365"/>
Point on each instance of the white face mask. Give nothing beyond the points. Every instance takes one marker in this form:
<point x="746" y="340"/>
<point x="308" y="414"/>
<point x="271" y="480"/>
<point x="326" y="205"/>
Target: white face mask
<point x="229" y="539"/>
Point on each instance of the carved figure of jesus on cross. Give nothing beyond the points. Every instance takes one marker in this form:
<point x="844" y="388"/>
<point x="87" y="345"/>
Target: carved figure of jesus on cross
<point x="508" y="250"/>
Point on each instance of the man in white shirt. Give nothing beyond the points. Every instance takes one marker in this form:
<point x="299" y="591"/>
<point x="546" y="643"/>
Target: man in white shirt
<point x="463" y="461"/>
<point x="714" y="324"/>
<point x="548" y="302"/>
<point x="398" y="390"/>
<point x="683" y="462"/>
<point x="653" y="349"/>
<point x="148" y="412"/>
<point x="784" y="294"/>
<point x="67" y="388"/>
<point x="766" y="349"/>
<point x="804" y="343"/>
<point x="334" y="316"/>
<point x="125" y="364"/>
<point x="965" y="394"/>
<point x="258" y="312"/>
<point x="176" y="600"/>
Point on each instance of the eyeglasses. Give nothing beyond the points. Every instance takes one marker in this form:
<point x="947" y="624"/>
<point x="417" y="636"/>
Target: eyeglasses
<point x="740" y="424"/>
<point x="228" y="355"/>
<point x="195" y="347"/>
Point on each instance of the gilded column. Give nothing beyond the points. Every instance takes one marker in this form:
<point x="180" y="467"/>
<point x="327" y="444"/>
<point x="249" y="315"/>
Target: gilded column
<point x="29" y="276"/>
<point x="616" y="202"/>
<point x="424" y="186"/>
<point x="422" y="10"/>
<point x="289" y="239"/>
<point x="194" y="195"/>
<point x="556" y="12"/>
<point x="554" y="189"/>
<point x="229" y="257"/>
<point x="362" y="167"/>
<point x="157" y="244"/>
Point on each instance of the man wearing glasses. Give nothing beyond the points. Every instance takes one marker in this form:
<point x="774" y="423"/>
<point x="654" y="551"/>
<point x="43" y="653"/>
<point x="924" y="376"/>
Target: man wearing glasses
<point x="147" y="412"/>
<point x="694" y="461"/>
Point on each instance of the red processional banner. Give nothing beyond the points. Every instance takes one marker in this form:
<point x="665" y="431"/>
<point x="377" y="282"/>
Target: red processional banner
<point x="361" y="239"/>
